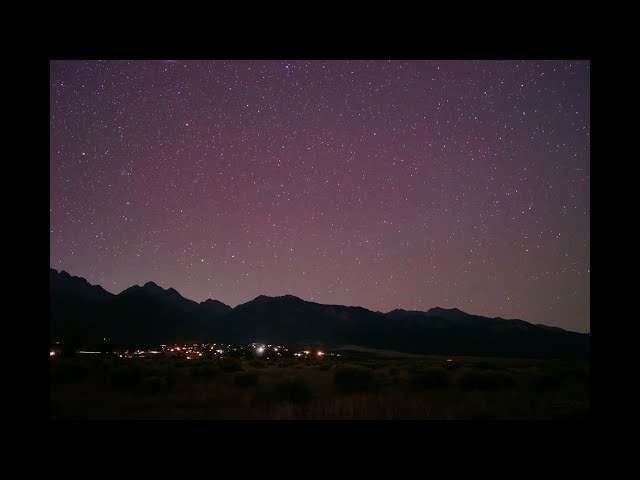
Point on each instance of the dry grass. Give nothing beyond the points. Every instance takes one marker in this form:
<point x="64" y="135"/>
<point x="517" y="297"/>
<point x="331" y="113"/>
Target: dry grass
<point x="384" y="389"/>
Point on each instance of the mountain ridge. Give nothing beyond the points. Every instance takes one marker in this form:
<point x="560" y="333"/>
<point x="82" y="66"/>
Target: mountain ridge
<point x="153" y="314"/>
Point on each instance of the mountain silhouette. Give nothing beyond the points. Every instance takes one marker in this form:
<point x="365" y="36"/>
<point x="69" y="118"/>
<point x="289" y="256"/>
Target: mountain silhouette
<point x="215" y="307"/>
<point x="150" y="315"/>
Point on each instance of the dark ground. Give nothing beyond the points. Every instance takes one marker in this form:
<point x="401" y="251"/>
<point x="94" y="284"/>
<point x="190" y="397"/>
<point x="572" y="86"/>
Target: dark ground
<point x="428" y="388"/>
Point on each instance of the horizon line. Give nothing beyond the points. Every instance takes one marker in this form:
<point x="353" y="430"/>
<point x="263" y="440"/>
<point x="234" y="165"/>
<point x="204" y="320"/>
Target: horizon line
<point x="308" y="301"/>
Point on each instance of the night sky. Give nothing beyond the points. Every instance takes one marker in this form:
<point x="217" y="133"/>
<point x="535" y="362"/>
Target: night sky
<point x="384" y="184"/>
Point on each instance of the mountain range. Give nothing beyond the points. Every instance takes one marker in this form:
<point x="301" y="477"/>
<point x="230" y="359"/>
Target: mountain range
<point x="150" y="315"/>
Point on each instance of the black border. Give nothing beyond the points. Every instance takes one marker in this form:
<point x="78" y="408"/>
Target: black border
<point x="534" y="437"/>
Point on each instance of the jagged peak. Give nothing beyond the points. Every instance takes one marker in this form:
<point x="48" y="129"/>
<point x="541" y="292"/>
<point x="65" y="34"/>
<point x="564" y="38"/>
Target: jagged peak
<point x="65" y="280"/>
<point x="262" y="298"/>
<point x="446" y="310"/>
<point x="211" y="301"/>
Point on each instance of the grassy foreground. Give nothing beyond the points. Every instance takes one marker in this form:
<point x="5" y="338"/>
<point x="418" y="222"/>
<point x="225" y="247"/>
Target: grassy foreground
<point x="429" y="388"/>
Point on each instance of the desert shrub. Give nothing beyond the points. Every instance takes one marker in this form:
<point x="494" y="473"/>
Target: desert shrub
<point x="100" y="365"/>
<point x="210" y="370"/>
<point x="325" y="366"/>
<point x="258" y="364"/>
<point x="246" y="379"/>
<point x="170" y="377"/>
<point x="541" y="382"/>
<point x="294" y="390"/>
<point x="394" y="371"/>
<point x="353" y="379"/>
<point x="71" y="371"/>
<point x="155" y="385"/>
<point x="205" y="370"/>
<point x="430" y="378"/>
<point x="486" y="380"/>
<point x="576" y="373"/>
<point x="482" y="365"/>
<point x="415" y="367"/>
<point x="126" y="376"/>
<point x="263" y="396"/>
<point x="229" y="365"/>
<point x="283" y="365"/>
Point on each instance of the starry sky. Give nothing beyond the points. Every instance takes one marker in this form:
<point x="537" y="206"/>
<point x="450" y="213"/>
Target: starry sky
<point x="383" y="184"/>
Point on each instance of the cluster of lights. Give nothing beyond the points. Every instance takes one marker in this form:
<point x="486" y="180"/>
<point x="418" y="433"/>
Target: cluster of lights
<point x="195" y="350"/>
<point x="319" y="353"/>
<point x="261" y="348"/>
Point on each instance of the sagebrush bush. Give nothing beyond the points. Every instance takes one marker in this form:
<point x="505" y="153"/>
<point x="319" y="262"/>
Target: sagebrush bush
<point x="294" y="390"/>
<point x="484" y="365"/>
<point x="182" y="363"/>
<point x="486" y="380"/>
<point x="576" y="373"/>
<point x="415" y="367"/>
<point x="155" y="384"/>
<point x="263" y="396"/>
<point x="430" y="378"/>
<point x="542" y="382"/>
<point x="65" y="370"/>
<point x="353" y="379"/>
<point x="100" y="365"/>
<point x="128" y="376"/>
<point x="246" y="379"/>
<point x="206" y="370"/>
<point x="229" y="365"/>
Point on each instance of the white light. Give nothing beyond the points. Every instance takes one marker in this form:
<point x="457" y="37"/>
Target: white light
<point x="51" y="354"/>
<point x="260" y="350"/>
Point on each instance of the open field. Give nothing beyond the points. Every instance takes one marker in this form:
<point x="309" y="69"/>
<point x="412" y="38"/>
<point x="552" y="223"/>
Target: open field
<point x="430" y="388"/>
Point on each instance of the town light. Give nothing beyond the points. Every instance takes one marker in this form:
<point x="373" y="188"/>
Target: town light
<point x="260" y="350"/>
<point x="52" y="353"/>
